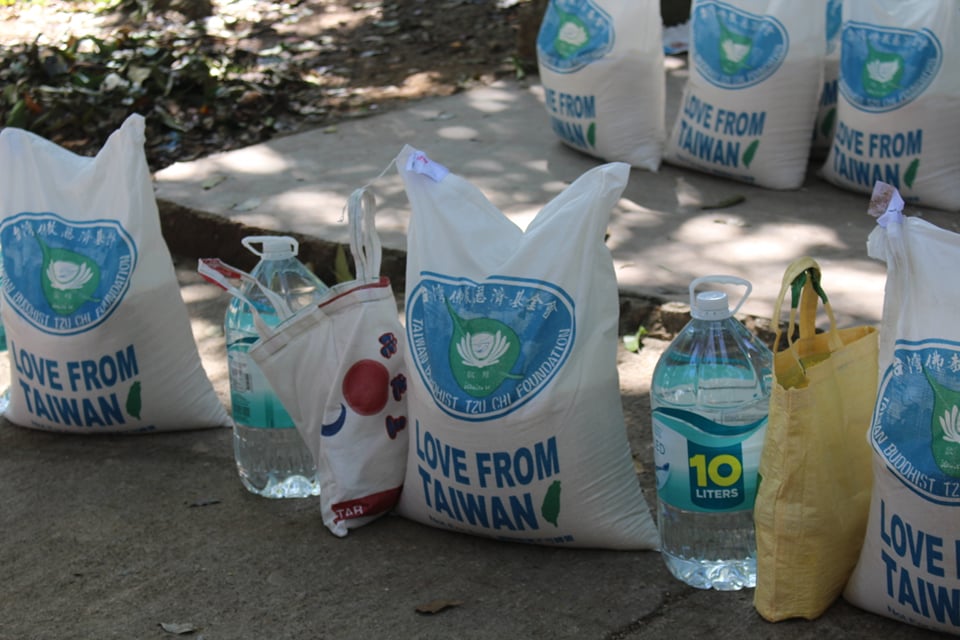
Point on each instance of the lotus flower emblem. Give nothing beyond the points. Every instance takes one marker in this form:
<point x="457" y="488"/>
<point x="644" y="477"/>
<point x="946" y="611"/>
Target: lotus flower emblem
<point x="883" y="71"/>
<point x="572" y="34"/>
<point x="482" y="349"/>
<point x="66" y="276"/>
<point x="482" y="353"/>
<point x="735" y="51"/>
<point x="69" y="279"/>
<point x="950" y="423"/>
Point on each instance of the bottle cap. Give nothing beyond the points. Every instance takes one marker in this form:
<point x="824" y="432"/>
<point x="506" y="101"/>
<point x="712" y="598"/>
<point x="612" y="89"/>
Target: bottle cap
<point x="273" y="247"/>
<point x="711" y="305"/>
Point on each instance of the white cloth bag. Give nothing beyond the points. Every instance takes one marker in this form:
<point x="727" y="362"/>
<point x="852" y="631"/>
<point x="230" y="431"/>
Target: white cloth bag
<point x="908" y="567"/>
<point x="98" y="335"/>
<point x="516" y="423"/>
<point x="338" y="369"/>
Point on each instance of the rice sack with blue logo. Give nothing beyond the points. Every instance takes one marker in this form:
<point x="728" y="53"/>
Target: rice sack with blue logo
<point x="513" y="400"/>
<point x="601" y="67"/>
<point x="826" y="120"/>
<point x="909" y="565"/>
<point x="897" y="115"/>
<point x="750" y="102"/>
<point x="98" y="335"/>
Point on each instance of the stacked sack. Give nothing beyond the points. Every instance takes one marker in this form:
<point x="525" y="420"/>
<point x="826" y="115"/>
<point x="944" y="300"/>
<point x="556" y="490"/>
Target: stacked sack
<point x="897" y="112"/>
<point x="750" y="102"/>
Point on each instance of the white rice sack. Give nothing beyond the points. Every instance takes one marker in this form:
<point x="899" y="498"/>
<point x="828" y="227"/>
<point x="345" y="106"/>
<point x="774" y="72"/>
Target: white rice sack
<point x="601" y="66"/>
<point x="897" y="117"/>
<point x="98" y="335"/>
<point x="513" y="400"/>
<point x="749" y="104"/>
<point x="909" y="566"/>
<point x="826" y="120"/>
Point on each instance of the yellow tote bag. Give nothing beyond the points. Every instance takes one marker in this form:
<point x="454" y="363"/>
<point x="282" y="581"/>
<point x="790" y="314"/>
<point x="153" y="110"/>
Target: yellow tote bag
<point x="814" y="493"/>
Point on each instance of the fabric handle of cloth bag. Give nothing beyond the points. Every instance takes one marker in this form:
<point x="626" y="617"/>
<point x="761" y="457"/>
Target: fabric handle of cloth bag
<point x="802" y="280"/>
<point x="364" y="240"/>
<point x="223" y="275"/>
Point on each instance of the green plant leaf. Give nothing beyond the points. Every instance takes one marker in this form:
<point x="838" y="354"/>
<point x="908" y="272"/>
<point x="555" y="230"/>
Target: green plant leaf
<point x="635" y="342"/>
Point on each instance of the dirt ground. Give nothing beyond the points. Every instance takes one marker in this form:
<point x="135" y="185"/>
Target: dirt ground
<point x="252" y="69"/>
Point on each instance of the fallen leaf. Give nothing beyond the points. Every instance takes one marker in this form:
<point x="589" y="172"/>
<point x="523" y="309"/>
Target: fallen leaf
<point x="178" y="628"/>
<point x="436" y="606"/>
<point x="212" y="181"/>
<point x="205" y="502"/>
<point x="726" y="202"/>
<point x="635" y="342"/>
<point x="441" y="115"/>
<point x="247" y="205"/>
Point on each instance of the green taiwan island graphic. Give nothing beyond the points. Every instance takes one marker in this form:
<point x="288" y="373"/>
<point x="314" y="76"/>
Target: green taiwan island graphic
<point x="134" y="401"/>
<point x="550" y="508"/>
<point x="68" y="278"/>
<point x="945" y="440"/>
<point x="482" y="353"/>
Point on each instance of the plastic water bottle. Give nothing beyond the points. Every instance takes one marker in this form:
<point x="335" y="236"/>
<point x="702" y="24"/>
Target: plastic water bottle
<point x="271" y="456"/>
<point x="710" y="397"/>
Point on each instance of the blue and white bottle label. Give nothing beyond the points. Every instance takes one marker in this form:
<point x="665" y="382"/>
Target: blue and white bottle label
<point x="484" y="349"/>
<point x="735" y="49"/>
<point x="697" y="470"/>
<point x="884" y="68"/>
<point x="65" y="277"/>
<point x="573" y="34"/>
<point x="916" y="423"/>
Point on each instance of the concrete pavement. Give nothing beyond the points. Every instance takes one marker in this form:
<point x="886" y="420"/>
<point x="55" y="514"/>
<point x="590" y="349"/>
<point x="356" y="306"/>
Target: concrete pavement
<point x="499" y="138"/>
<point x="154" y="536"/>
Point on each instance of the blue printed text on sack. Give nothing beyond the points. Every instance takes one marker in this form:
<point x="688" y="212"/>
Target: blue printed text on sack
<point x="918" y="576"/>
<point x="85" y="392"/>
<point x="498" y="490"/>
<point x="865" y="158"/>
<point x="715" y="134"/>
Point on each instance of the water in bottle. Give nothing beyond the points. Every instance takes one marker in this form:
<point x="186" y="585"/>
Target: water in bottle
<point x="710" y="395"/>
<point x="272" y="459"/>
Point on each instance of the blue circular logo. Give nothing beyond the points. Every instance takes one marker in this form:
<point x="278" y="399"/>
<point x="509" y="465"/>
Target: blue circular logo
<point x="734" y="49"/>
<point x="883" y="68"/>
<point x="916" y="423"/>
<point x="65" y="277"/>
<point x="485" y="349"/>
<point x="573" y="34"/>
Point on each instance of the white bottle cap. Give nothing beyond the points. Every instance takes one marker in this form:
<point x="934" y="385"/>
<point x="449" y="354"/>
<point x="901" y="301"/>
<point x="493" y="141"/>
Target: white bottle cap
<point x="714" y="305"/>
<point x="711" y="305"/>
<point x="273" y="247"/>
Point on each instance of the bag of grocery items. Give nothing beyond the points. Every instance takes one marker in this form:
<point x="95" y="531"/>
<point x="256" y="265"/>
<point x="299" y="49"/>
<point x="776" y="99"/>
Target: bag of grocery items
<point x="98" y="335"/>
<point x="602" y="70"/>
<point x="909" y="567"/>
<point x="749" y="104"/>
<point x="516" y="423"/>
<point x="896" y="113"/>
